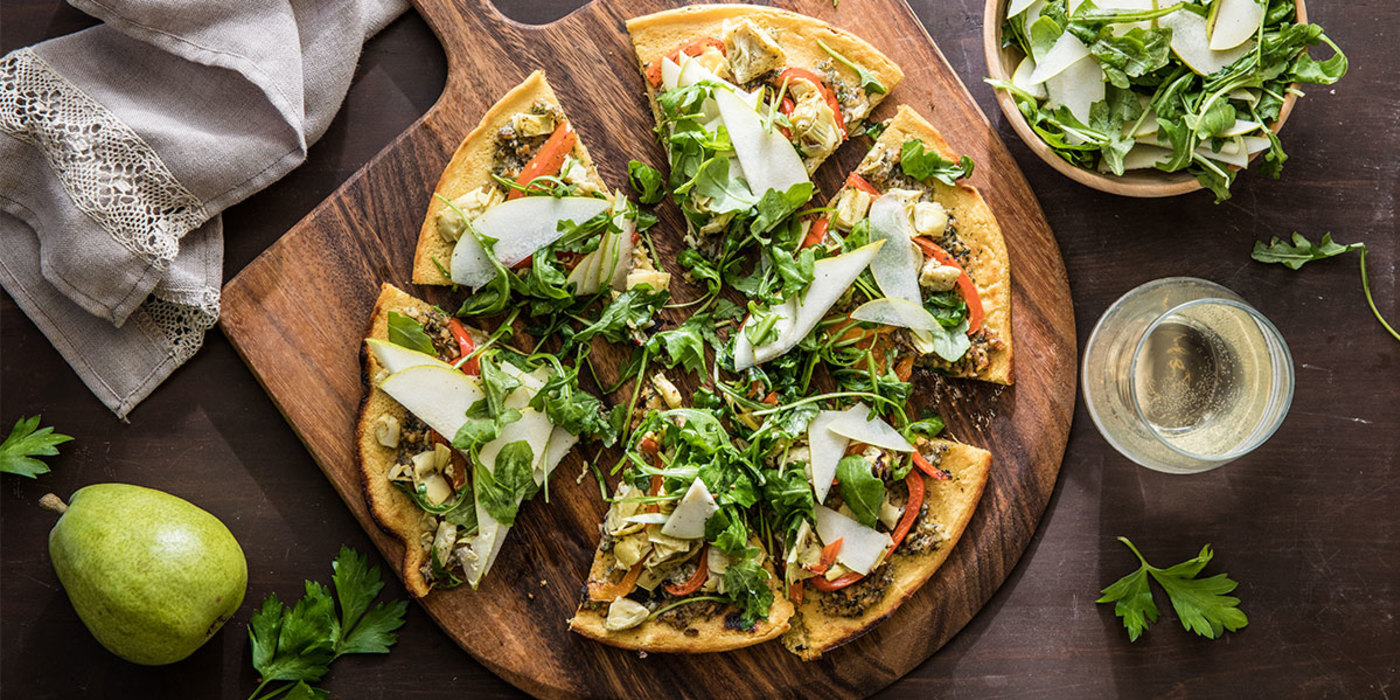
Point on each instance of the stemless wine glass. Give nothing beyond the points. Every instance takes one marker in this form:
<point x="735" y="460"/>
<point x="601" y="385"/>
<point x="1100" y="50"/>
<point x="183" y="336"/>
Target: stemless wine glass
<point x="1181" y="375"/>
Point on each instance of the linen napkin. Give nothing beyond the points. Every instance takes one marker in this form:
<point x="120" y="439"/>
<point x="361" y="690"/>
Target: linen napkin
<point x="121" y="144"/>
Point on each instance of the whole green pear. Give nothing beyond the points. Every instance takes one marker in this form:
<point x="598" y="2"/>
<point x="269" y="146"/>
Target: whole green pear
<point x="151" y="575"/>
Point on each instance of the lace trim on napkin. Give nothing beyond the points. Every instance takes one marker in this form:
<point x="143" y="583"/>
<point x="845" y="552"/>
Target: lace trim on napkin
<point x="183" y="324"/>
<point x="111" y="173"/>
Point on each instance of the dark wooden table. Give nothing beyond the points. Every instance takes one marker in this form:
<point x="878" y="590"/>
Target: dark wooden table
<point x="1307" y="524"/>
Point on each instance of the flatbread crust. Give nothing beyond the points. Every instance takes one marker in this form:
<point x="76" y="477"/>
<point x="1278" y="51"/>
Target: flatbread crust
<point x="950" y="504"/>
<point x="395" y="513"/>
<point x="710" y="635"/>
<point x="470" y="168"/>
<point x="655" y="35"/>
<point x="989" y="266"/>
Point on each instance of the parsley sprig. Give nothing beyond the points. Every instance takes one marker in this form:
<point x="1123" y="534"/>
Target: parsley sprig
<point x="27" y="441"/>
<point x="1200" y="604"/>
<point x="296" y="645"/>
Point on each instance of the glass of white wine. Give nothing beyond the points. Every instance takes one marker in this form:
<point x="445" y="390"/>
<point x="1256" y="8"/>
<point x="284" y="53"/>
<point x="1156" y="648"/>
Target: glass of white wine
<point x="1181" y="375"/>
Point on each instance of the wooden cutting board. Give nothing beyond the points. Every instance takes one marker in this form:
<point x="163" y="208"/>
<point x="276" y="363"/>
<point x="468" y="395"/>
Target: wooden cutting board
<point x="298" y="312"/>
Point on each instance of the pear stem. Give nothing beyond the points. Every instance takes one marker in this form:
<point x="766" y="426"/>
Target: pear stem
<point x="53" y="503"/>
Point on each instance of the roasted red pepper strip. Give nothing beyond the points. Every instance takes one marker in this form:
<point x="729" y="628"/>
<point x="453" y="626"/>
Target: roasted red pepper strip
<point x="694" y="48"/>
<point x="795" y="592"/>
<point x="860" y="183"/>
<point x="786" y="108"/>
<point x="792" y="74"/>
<point x="915" y="481"/>
<point x="607" y="592"/>
<point x="702" y="572"/>
<point x="548" y="160"/>
<point x="965" y="285"/>
<point x="829" y="553"/>
<point x="841" y="581"/>
<point x="932" y="471"/>
<point x="816" y="233"/>
<point x="465" y="346"/>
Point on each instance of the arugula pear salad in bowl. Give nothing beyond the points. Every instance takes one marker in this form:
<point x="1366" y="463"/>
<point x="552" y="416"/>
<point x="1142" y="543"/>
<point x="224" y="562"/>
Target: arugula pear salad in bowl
<point x="1151" y="98"/>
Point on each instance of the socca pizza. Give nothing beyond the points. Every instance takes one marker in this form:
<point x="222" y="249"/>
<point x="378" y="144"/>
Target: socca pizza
<point x="938" y="292"/>
<point x="677" y="568"/>
<point x="748" y="101"/>
<point x="521" y="211"/>
<point x="453" y="437"/>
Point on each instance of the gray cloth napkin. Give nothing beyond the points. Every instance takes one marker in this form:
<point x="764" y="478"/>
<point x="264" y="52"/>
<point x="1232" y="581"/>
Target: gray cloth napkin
<point x="121" y="144"/>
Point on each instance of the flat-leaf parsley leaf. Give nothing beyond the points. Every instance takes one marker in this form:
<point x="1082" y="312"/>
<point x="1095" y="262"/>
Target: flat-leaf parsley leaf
<point x="27" y="441"/>
<point x="1200" y="604"/>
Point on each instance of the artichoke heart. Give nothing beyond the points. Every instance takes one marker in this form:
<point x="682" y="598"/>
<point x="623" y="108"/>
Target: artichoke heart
<point x="631" y="549"/>
<point x="451" y="225"/>
<point x="625" y="613"/>
<point x="813" y="122"/>
<point x="527" y="124"/>
<point x="751" y="51"/>
<point x="930" y="219"/>
<point x="851" y="208"/>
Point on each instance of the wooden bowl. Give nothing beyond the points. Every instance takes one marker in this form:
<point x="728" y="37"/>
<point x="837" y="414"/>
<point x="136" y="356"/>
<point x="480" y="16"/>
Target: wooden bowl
<point x="1001" y="64"/>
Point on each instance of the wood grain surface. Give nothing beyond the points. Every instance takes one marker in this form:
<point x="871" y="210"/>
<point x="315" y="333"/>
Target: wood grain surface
<point x="1307" y="524"/>
<point x="301" y="335"/>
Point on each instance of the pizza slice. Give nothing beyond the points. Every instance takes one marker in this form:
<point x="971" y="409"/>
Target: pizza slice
<point x="677" y="568"/>
<point x="748" y="102"/>
<point x="521" y="198"/>
<point x="884" y="515"/>
<point x="453" y="438"/>
<point x="939" y="292"/>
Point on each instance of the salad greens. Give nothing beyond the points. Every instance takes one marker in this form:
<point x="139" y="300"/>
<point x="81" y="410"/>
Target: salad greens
<point x="1150" y="93"/>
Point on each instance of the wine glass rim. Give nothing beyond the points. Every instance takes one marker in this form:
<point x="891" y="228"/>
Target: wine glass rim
<point x="1281" y="366"/>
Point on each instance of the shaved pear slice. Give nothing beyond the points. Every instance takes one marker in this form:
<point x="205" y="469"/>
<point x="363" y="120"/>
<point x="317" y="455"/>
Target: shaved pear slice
<point x="1233" y="22"/>
<point x="1022" y="79"/>
<point x="826" y="449"/>
<point x="1017" y="7"/>
<point x="1141" y="157"/>
<point x="1240" y="128"/>
<point x="585" y="274"/>
<point x="687" y="521"/>
<point x="861" y="546"/>
<point x="1190" y="44"/>
<point x="831" y="277"/>
<point x="483" y="548"/>
<point x="892" y="311"/>
<point x="896" y="266"/>
<point x="396" y="357"/>
<point x="520" y="227"/>
<point x="1231" y="153"/>
<point x="622" y="255"/>
<point x="670" y="73"/>
<point x="560" y="442"/>
<point x="1067" y="51"/>
<point x="769" y="160"/>
<point x="859" y="424"/>
<point x="438" y="396"/>
<point x="1078" y="87"/>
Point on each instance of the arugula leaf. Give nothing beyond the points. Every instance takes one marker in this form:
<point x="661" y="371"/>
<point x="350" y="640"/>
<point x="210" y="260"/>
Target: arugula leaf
<point x="685" y="344"/>
<point x="868" y="82"/>
<point x="1200" y="604"/>
<point x="929" y="427"/>
<point x="647" y="182"/>
<point x="27" y="441"/>
<point x="951" y="343"/>
<point x="922" y="165"/>
<point x="409" y="333"/>
<point x="298" y="645"/>
<point x="746" y="583"/>
<point x="862" y="491"/>
<point x="774" y="206"/>
<point x="1301" y="252"/>
<point x="725" y="191"/>
<point x="764" y="328"/>
<point x="500" y="490"/>
<point x="568" y="406"/>
<point x="629" y="311"/>
<point x="796" y="273"/>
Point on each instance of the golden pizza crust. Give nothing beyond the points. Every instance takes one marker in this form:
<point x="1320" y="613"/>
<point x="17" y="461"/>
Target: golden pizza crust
<point x="470" y="168"/>
<point x="711" y="635"/>
<point x="989" y="267"/>
<point x="951" y="504"/>
<point x="655" y="35"/>
<point x="391" y="508"/>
